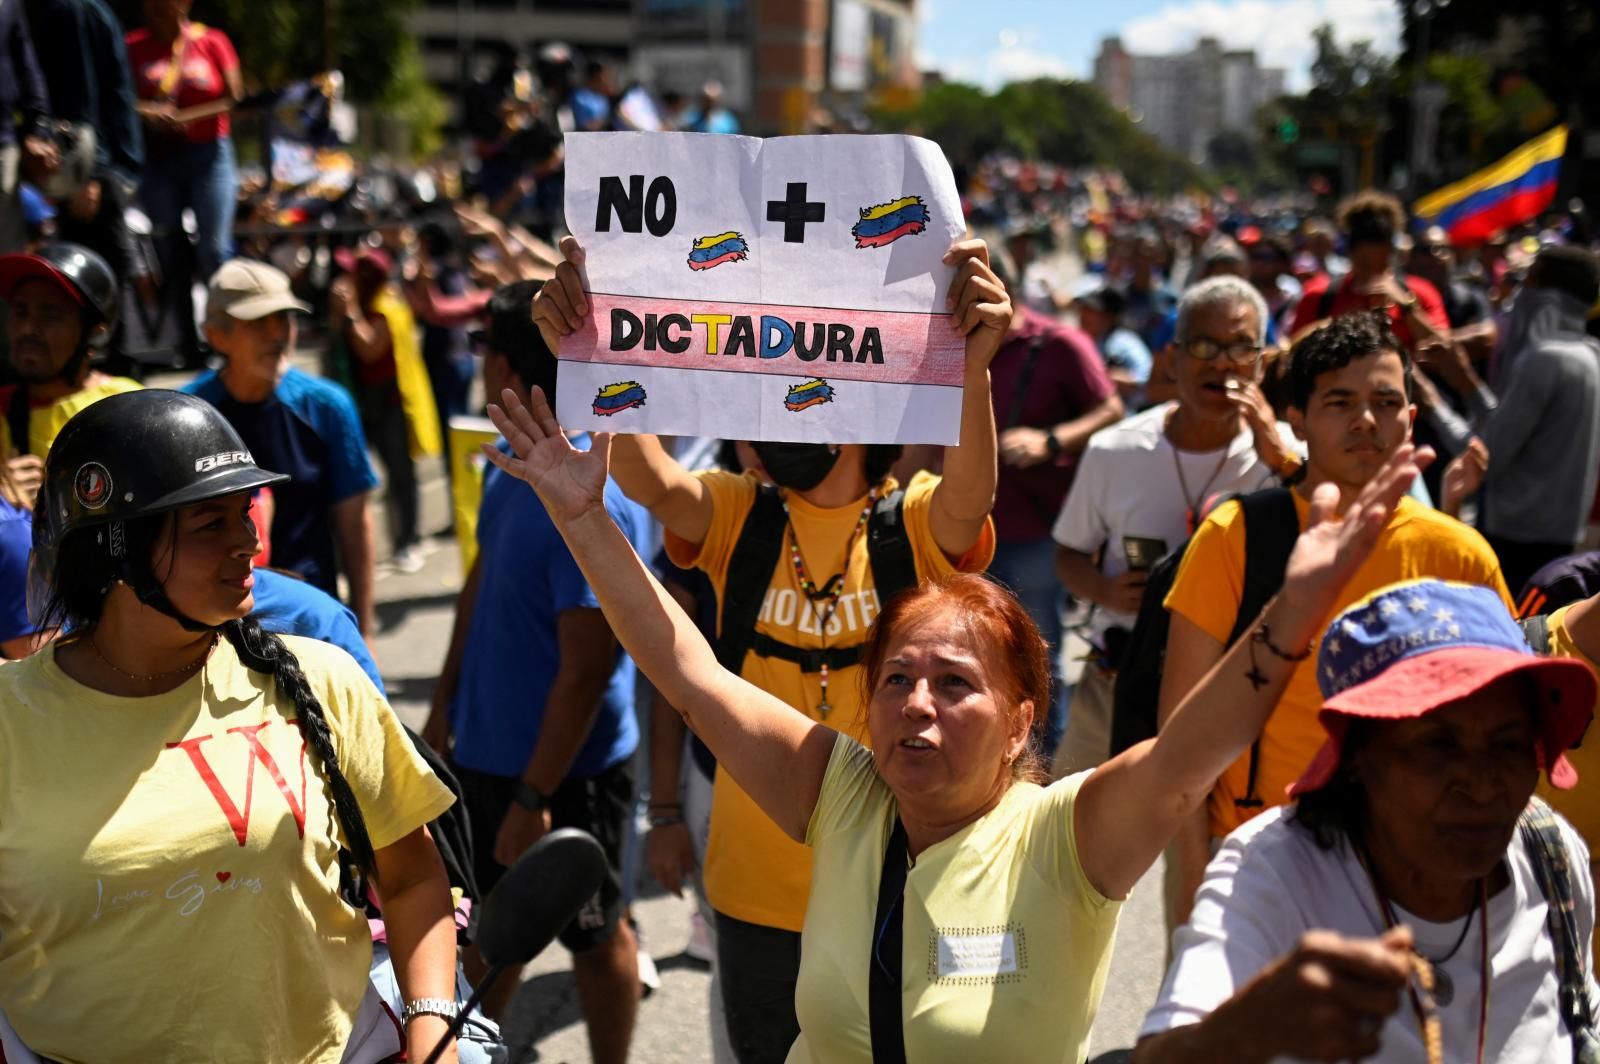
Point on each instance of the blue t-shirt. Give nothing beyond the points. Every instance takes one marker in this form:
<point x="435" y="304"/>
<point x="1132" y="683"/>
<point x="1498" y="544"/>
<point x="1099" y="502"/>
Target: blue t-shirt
<point x="590" y="110"/>
<point x="310" y="430"/>
<point x="288" y="606"/>
<point x="528" y="579"/>
<point x="16" y="539"/>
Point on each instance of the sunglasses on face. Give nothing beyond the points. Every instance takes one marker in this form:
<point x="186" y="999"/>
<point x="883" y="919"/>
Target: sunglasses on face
<point x="1207" y="350"/>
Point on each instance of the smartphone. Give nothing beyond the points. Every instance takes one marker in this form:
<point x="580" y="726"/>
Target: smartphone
<point x="1143" y="552"/>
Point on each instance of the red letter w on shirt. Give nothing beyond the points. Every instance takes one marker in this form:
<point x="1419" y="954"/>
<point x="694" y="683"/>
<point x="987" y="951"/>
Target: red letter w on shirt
<point x="240" y="822"/>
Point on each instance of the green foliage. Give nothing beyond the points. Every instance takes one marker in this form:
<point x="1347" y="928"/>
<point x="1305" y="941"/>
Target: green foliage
<point x="1554" y="41"/>
<point x="413" y="100"/>
<point x="1064" y="122"/>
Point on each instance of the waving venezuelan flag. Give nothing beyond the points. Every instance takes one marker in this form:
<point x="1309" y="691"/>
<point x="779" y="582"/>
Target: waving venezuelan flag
<point x="1511" y="191"/>
<point x="888" y="222"/>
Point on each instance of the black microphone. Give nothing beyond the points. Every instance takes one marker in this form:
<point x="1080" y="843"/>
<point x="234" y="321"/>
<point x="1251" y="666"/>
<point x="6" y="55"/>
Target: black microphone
<point x="528" y="907"/>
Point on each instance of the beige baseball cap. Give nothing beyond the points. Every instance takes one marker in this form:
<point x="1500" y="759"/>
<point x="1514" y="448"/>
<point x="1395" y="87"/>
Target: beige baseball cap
<point x="247" y="290"/>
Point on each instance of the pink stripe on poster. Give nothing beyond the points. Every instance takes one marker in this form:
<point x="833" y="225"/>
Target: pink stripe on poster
<point x="883" y="346"/>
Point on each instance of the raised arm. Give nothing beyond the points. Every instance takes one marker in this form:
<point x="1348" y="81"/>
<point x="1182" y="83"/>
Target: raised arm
<point x="642" y="468"/>
<point x="1134" y="804"/>
<point x="981" y="311"/>
<point x="773" y="751"/>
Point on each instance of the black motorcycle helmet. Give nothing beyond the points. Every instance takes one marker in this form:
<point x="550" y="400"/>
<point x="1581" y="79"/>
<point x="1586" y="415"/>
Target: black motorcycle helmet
<point x="82" y="272"/>
<point x="132" y="456"/>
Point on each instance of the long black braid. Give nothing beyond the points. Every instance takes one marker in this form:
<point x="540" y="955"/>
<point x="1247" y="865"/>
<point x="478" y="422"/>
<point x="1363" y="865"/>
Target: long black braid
<point x="263" y="651"/>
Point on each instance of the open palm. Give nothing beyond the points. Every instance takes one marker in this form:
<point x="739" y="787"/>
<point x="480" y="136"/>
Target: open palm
<point x="568" y="481"/>
<point x="1330" y="550"/>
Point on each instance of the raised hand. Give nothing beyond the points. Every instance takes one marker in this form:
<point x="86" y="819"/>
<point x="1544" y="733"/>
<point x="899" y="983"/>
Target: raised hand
<point x="978" y="303"/>
<point x="1330" y="550"/>
<point x="568" y="481"/>
<point x="561" y="306"/>
<point x="1464" y="476"/>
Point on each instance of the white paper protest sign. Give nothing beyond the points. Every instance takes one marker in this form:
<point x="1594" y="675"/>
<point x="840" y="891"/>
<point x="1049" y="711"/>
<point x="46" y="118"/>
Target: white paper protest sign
<point x="783" y="289"/>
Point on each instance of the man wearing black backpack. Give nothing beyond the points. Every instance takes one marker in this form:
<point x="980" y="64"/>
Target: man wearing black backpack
<point x="801" y="571"/>
<point x="1143" y="484"/>
<point x="1350" y="400"/>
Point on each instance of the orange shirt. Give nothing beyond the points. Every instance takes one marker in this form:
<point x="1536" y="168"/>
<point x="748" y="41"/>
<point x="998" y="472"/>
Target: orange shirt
<point x="1417" y="543"/>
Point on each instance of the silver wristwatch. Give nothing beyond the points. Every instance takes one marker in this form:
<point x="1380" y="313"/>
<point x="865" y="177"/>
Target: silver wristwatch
<point x="440" y="1007"/>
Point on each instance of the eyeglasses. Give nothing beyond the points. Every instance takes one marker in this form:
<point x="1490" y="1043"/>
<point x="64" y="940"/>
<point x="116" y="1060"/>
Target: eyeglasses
<point x="1208" y="350"/>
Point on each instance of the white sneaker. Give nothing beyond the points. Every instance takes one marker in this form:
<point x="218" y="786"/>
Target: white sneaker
<point x="700" y="946"/>
<point x="408" y="559"/>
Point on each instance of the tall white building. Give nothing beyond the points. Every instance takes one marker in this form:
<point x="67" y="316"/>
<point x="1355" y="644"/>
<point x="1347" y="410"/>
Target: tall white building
<point x="1185" y="100"/>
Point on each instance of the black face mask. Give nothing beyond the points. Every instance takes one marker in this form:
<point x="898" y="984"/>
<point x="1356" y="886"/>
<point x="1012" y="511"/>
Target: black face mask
<point x="799" y="466"/>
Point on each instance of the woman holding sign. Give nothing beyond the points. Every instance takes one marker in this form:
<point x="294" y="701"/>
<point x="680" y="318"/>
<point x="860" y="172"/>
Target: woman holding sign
<point x="960" y="911"/>
<point x="800" y="570"/>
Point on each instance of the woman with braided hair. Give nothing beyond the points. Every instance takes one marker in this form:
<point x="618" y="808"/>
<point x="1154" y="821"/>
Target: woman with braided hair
<point x="183" y="795"/>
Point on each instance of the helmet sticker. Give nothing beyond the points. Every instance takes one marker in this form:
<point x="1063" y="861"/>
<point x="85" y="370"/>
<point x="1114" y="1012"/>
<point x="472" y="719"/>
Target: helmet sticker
<point x="92" y="485"/>
<point x="217" y="461"/>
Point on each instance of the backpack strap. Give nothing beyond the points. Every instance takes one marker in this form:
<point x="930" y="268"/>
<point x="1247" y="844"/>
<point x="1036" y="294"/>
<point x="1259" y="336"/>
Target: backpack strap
<point x="1272" y="525"/>
<point x="750" y="567"/>
<point x="1547" y="851"/>
<point x="885" y="1001"/>
<point x="894" y="564"/>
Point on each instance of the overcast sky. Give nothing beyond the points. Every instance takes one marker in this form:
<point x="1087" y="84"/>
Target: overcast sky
<point x="994" y="41"/>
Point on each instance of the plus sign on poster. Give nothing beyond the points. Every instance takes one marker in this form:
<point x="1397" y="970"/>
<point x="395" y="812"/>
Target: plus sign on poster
<point x="781" y="289"/>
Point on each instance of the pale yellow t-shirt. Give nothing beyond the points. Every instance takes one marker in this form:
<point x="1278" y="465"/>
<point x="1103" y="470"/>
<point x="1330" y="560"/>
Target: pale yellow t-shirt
<point x="1417" y="543"/>
<point x="753" y="871"/>
<point x="46" y="422"/>
<point x="168" y="872"/>
<point x="1005" y="943"/>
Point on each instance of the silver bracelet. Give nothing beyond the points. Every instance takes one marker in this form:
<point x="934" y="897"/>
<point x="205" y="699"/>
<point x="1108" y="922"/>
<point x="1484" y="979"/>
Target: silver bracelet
<point x="440" y="1007"/>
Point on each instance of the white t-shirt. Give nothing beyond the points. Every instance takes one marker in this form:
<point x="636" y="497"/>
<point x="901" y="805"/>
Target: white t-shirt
<point x="1127" y="485"/>
<point x="1270" y="883"/>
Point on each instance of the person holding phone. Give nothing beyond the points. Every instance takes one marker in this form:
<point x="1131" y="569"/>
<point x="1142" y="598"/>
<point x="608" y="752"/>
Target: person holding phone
<point x="1143" y="483"/>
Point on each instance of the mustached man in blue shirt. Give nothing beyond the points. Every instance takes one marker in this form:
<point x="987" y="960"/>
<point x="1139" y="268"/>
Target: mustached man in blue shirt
<point x="297" y="424"/>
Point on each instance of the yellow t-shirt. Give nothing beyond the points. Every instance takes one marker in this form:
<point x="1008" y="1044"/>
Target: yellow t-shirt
<point x="1417" y="543"/>
<point x="168" y="873"/>
<point x="753" y="871"/>
<point x="46" y="422"/>
<point x="1580" y="805"/>
<point x="1005" y="944"/>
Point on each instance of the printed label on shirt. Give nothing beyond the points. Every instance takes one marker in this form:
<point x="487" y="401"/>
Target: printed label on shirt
<point x="961" y="955"/>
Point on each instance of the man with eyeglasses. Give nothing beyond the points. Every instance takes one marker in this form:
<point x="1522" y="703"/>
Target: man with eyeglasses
<point x="291" y="421"/>
<point x="1142" y="482"/>
<point x="1350" y="391"/>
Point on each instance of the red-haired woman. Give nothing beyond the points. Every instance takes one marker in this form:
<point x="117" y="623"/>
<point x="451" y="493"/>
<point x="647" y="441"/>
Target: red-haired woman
<point x="958" y="910"/>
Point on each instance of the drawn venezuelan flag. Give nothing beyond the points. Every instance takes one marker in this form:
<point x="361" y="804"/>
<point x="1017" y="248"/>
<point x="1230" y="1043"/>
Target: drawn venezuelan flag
<point x="614" y="398"/>
<point x="808" y="394"/>
<point x="888" y="222"/>
<point x="1510" y="192"/>
<point x="714" y="250"/>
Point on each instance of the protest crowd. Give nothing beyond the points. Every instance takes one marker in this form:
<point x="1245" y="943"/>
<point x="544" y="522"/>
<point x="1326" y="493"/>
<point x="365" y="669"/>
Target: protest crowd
<point x="1308" y="483"/>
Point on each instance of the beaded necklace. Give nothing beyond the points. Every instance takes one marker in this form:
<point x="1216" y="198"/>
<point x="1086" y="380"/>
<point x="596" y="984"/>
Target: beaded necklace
<point x="828" y="592"/>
